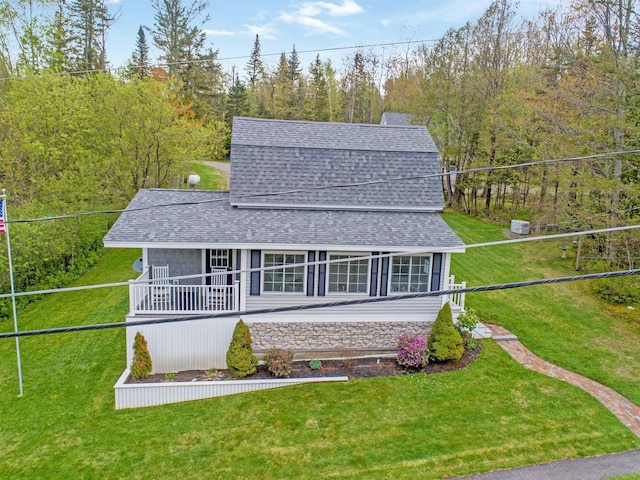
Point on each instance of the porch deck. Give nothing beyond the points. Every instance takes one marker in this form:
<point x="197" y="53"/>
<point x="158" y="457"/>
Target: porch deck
<point x="148" y="296"/>
<point x="159" y="296"/>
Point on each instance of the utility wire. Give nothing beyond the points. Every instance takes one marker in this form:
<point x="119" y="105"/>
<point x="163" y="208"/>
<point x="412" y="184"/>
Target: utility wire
<point x="261" y="311"/>
<point x="221" y="59"/>
<point x="333" y="186"/>
<point x="324" y="262"/>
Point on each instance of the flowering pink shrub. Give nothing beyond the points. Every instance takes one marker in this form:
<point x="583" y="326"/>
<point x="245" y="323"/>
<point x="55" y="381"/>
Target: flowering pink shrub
<point x="412" y="351"/>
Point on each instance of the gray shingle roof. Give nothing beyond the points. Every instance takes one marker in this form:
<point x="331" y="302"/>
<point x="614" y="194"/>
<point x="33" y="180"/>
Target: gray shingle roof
<point x="389" y="118"/>
<point x="278" y="155"/>
<point x="206" y="218"/>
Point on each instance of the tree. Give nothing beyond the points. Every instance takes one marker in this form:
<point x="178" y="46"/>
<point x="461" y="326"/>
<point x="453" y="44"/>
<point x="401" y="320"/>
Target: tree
<point x="58" y="45"/>
<point x="237" y="101"/>
<point x="240" y="358"/>
<point x="319" y="91"/>
<point x="139" y="65"/>
<point x="90" y="22"/>
<point x="177" y="33"/>
<point x="445" y="343"/>
<point x="255" y="67"/>
<point x="141" y="365"/>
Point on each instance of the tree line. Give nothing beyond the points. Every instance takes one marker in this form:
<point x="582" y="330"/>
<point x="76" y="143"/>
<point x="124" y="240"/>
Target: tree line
<point x="77" y="135"/>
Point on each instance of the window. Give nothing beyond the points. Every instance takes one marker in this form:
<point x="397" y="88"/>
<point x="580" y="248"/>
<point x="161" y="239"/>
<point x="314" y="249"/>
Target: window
<point x="287" y="279"/>
<point x="350" y="276"/>
<point x="410" y="274"/>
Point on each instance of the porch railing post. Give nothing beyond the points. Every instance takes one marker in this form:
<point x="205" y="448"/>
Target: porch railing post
<point x="236" y="295"/>
<point x="132" y="297"/>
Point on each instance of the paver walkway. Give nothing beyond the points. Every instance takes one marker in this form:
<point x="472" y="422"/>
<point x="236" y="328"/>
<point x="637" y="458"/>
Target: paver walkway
<point x="626" y="411"/>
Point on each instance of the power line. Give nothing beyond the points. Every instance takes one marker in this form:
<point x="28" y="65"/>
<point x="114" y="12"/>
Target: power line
<point x="221" y="59"/>
<point x="324" y="262"/>
<point x="261" y="311"/>
<point x="334" y="186"/>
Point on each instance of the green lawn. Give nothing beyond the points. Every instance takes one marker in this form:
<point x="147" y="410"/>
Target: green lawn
<point x="210" y="178"/>
<point x="563" y="323"/>
<point x="495" y="414"/>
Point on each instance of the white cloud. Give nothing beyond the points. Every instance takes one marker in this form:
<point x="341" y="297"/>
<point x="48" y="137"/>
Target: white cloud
<point x="307" y="14"/>
<point x="316" y="26"/>
<point x="312" y="9"/>
<point x="386" y="22"/>
<point x="265" y="31"/>
<point x="218" y="33"/>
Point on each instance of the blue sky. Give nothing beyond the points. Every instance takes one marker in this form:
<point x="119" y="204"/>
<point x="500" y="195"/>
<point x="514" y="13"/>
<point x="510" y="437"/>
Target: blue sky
<point x="310" y="25"/>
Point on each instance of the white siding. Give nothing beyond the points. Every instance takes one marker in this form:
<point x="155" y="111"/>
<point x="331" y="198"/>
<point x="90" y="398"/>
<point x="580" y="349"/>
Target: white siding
<point x="149" y="394"/>
<point x="191" y="345"/>
<point x="416" y="309"/>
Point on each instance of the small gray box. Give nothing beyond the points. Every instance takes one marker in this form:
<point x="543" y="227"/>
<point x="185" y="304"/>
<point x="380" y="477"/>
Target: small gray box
<point x="520" y="227"/>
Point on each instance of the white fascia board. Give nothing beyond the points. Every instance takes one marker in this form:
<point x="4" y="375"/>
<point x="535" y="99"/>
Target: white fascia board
<point x="356" y="208"/>
<point x="287" y="247"/>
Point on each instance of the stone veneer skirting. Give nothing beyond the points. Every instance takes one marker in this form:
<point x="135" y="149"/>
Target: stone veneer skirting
<point x="303" y="336"/>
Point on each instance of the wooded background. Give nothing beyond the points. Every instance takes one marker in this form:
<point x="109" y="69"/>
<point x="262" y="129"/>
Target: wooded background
<point x="78" y="136"/>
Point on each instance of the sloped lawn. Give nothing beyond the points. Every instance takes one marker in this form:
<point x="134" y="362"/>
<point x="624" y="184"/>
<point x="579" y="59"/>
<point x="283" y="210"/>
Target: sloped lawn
<point x="494" y="414"/>
<point x="564" y="323"/>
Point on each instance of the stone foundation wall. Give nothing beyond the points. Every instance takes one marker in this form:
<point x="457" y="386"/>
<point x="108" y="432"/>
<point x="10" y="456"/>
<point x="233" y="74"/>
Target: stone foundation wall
<point x="333" y="336"/>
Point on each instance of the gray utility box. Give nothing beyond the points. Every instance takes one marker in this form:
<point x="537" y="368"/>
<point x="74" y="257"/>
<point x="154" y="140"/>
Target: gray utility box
<point x="520" y="227"/>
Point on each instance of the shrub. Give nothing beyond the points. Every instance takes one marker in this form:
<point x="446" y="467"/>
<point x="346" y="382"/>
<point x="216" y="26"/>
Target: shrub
<point x="412" y="351"/>
<point x="445" y="343"/>
<point x="278" y="361"/>
<point x="315" y="364"/>
<point x="467" y="322"/>
<point x="141" y="365"/>
<point x="240" y="358"/>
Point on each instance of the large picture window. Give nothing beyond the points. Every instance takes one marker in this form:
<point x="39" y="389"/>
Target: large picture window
<point x="410" y="274"/>
<point x="350" y="276"/>
<point x="286" y="279"/>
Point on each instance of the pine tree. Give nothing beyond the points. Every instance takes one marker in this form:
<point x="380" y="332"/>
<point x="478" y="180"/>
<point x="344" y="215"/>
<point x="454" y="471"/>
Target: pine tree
<point x="139" y="65"/>
<point x="90" y="21"/>
<point x="176" y="34"/>
<point x="240" y="358"/>
<point x="255" y="67"/>
<point x="141" y="365"/>
<point x="293" y="66"/>
<point x="237" y="101"/>
<point x="445" y="343"/>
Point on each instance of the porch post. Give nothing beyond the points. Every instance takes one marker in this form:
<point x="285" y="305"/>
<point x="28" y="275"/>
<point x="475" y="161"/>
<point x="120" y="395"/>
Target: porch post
<point x="242" y="304"/>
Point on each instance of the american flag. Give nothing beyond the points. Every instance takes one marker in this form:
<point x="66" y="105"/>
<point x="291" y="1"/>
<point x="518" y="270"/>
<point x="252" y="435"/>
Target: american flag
<point x="3" y="228"/>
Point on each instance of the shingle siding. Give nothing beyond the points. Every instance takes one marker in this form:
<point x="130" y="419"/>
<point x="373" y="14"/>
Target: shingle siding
<point x="181" y="262"/>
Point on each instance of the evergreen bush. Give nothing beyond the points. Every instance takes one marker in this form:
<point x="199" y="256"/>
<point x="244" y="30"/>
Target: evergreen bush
<point x="445" y="343"/>
<point x="141" y="365"/>
<point x="240" y="358"/>
<point x="278" y="361"/>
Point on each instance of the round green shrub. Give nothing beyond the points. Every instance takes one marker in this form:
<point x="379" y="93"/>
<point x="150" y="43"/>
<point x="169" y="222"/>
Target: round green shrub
<point x="445" y="343"/>
<point x="315" y="364"/>
<point x="240" y="358"/>
<point x="279" y="361"/>
<point x="141" y="365"/>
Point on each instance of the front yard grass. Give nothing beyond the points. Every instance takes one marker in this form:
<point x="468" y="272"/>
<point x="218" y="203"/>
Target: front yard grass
<point x="566" y="323"/>
<point x="495" y="414"/>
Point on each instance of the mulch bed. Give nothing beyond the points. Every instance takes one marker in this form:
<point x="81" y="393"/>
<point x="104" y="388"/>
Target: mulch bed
<point x="347" y="367"/>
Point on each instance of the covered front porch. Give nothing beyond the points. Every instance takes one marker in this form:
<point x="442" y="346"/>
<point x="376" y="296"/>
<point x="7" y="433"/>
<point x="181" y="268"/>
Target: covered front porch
<point x="201" y="281"/>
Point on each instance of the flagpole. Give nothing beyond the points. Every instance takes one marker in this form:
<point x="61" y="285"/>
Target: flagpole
<point x="13" y="289"/>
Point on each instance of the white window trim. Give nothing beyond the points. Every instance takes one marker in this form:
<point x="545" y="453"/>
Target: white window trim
<point x="283" y="252"/>
<point x="390" y="275"/>
<point x="328" y="273"/>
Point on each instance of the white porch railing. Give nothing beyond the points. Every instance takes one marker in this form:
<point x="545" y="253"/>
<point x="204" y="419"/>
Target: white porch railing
<point x="457" y="299"/>
<point x="149" y="297"/>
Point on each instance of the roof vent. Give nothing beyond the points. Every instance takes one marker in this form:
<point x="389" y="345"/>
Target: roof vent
<point x="520" y="227"/>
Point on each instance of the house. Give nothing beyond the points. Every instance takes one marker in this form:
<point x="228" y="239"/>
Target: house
<point x="301" y="193"/>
